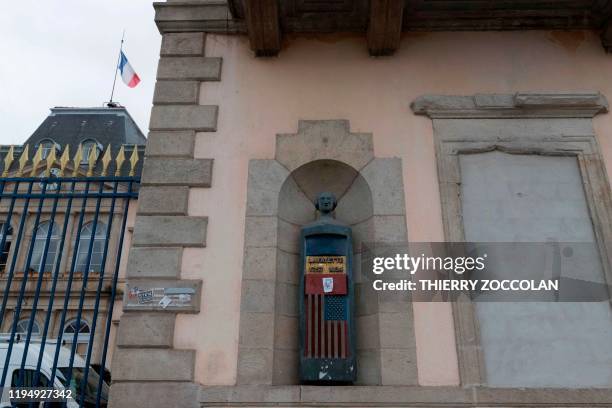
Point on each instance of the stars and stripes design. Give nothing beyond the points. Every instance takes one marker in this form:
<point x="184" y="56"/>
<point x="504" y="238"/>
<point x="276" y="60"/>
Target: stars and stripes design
<point x="326" y="326"/>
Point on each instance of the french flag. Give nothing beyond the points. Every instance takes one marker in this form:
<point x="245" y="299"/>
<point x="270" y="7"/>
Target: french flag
<point x="128" y="75"/>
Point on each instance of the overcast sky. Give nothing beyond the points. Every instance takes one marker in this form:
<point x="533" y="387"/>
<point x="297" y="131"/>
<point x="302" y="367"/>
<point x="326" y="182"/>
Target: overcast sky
<point x="63" y="52"/>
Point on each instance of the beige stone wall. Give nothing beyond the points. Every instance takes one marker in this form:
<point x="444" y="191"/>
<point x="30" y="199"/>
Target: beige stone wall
<point x="332" y="77"/>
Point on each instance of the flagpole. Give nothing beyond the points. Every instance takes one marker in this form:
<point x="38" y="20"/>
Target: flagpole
<point x="116" y="68"/>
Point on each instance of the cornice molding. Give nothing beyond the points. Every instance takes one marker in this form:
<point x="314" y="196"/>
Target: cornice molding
<point x="213" y="16"/>
<point x="518" y="105"/>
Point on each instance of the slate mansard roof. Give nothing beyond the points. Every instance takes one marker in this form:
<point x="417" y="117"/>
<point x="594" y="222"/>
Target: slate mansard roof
<point x="67" y="126"/>
<point x="72" y="126"/>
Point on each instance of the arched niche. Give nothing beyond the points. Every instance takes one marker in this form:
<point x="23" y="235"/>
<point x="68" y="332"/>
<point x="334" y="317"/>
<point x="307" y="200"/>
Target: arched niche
<point x="322" y="156"/>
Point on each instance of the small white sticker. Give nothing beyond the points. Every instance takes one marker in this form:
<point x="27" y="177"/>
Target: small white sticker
<point x="165" y="301"/>
<point x="328" y="285"/>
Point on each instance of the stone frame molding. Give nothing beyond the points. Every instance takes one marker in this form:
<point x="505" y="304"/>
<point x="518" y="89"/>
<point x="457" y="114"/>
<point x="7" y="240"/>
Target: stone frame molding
<point x="542" y="124"/>
<point x="394" y="353"/>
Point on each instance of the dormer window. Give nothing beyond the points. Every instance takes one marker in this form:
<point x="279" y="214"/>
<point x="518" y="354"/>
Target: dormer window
<point x="47" y="145"/>
<point x="88" y="145"/>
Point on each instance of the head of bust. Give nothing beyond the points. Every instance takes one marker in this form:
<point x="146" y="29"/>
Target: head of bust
<point x="326" y="202"/>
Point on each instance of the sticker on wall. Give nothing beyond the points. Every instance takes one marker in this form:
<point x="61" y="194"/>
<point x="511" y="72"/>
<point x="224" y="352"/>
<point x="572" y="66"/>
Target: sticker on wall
<point x="163" y="298"/>
<point x="328" y="285"/>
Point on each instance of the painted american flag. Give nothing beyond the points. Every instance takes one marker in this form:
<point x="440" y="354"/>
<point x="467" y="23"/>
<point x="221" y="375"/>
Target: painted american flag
<point x="326" y="326"/>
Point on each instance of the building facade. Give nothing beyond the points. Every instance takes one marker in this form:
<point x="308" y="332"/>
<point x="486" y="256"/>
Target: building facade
<point x="65" y="242"/>
<point x="431" y="122"/>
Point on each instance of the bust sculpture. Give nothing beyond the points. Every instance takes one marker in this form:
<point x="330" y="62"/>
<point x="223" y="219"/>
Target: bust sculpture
<point x="327" y="343"/>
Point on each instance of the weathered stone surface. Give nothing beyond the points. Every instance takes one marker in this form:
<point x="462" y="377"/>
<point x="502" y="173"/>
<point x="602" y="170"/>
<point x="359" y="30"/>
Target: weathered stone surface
<point x="257" y="296"/>
<point x="170" y="231"/>
<point x="177" y="172"/>
<point x="398" y="367"/>
<point x="286" y="333"/>
<point x="186" y="68"/>
<point x="154" y="262"/>
<point x="367" y="332"/>
<point x="260" y="263"/>
<point x="260" y="232"/>
<point x="171" y="144"/>
<point x="258" y="330"/>
<point x="146" y="330"/>
<point x="183" y="44"/>
<point x="324" y="139"/>
<point x="154" y="395"/>
<point x="163" y="200"/>
<point x="270" y="394"/>
<point x="201" y="118"/>
<point x="176" y="92"/>
<point x="286" y="363"/>
<point x="169" y="365"/>
<point x="368" y="370"/>
<point x="356" y="204"/>
<point x="384" y="177"/>
<point x="255" y="366"/>
<point x="396" y="330"/>
<point x="266" y="178"/>
<point x="286" y="299"/>
<point x="288" y="236"/>
<point x="576" y="105"/>
<point x="287" y="267"/>
<point x="390" y="229"/>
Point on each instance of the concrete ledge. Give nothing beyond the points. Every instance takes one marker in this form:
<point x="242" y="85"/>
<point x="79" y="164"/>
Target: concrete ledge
<point x="146" y="330"/>
<point x="176" y="92"/>
<point x="183" y="45"/>
<point x="170" y="231"/>
<point x="201" y="118"/>
<point x="154" y="262"/>
<point x="154" y="395"/>
<point x="171" y="144"/>
<point x="189" y="68"/>
<point x="153" y="365"/>
<point x="177" y="172"/>
<point x="163" y="200"/>
<point x="399" y="396"/>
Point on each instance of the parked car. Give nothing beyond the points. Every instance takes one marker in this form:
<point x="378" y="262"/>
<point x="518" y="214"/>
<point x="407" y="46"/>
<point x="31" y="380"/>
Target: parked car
<point x="62" y="372"/>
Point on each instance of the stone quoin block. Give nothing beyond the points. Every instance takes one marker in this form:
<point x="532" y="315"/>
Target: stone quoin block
<point x="201" y="118"/>
<point x="171" y="144"/>
<point x="189" y="68"/>
<point x="259" y="331"/>
<point x="153" y="364"/>
<point x="260" y="263"/>
<point x="398" y="367"/>
<point x="255" y="366"/>
<point x="183" y="44"/>
<point x="266" y="178"/>
<point x="177" y="172"/>
<point x="384" y="177"/>
<point x="146" y="330"/>
<point x="170" y="231"/>
<point x="176" y="92"/>
<point x="163" y="200"/>
<point x="257" y="296"/>
<point x="260" y="232"/>
<point x="285" y="367"/>
<point x="154" y="262"/>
